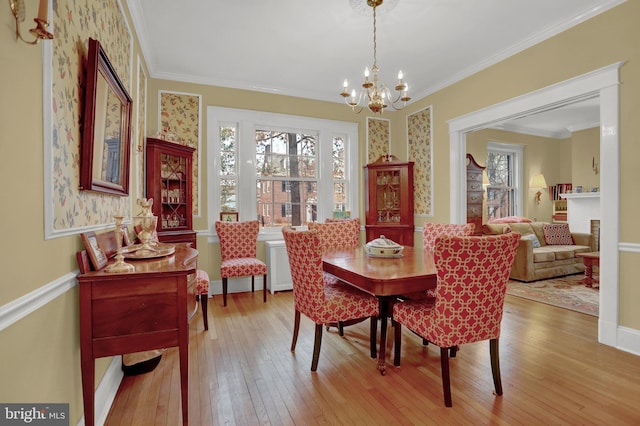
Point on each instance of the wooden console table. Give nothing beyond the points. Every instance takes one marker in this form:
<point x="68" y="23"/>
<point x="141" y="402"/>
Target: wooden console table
<point x="137" y="311"/>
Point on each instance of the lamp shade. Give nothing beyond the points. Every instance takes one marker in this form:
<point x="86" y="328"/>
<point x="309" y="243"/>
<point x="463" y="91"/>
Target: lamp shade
<point x="538" y="182"/>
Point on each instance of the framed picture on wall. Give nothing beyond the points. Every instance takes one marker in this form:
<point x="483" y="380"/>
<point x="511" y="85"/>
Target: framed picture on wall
<point x="229" y="216"/>
<point x="96" y="254"/>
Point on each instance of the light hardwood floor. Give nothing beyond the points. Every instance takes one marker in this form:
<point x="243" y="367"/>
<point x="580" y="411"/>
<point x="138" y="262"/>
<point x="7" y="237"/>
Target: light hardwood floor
<point x="242" y="373"/>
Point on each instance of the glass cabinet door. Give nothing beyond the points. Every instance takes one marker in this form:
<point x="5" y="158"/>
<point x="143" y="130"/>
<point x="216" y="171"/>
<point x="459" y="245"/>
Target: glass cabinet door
<point x="173" y="178"/>
<point x="388" y="196"/>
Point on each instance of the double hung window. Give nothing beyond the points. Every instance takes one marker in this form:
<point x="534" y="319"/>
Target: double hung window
<point x="504" y="170"/>
<point x="282" y="170"/>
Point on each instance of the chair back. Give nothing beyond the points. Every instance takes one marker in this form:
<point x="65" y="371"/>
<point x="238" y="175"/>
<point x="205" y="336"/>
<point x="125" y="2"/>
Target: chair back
<point x="472" y="282"/>
<point x="305" y="260"/>
<point x="431" y="231"/>
<point x="238" y="239"/>
<point x="337" y="234"/>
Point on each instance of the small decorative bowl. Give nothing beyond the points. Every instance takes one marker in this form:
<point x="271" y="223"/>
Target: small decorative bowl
<point x="383" y="247"/>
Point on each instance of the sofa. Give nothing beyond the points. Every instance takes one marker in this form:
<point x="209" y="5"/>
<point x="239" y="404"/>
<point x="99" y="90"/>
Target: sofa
<point x="545" y="250"/>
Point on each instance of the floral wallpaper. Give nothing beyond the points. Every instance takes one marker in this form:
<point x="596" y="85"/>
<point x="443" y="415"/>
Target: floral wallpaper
<point x="141" y="128"/>
<point x="378" y="134"/>
<point x="419" y="151"/>
<point x="74" y="22"/>
<point x="180" y="116"/>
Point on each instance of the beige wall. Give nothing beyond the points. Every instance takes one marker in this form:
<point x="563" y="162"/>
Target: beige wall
<point x="40" y="353"/>
<point x="585" y="150"/>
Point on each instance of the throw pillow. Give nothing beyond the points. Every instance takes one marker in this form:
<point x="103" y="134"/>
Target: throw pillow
<point x="557" y="234"/>
<point x="533" y="239"/>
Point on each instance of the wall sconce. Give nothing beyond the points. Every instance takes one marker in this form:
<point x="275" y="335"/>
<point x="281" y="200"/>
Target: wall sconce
<point x="595" y="166"/>
<point x="42" y="22"/>
<point x="538" y="182"/>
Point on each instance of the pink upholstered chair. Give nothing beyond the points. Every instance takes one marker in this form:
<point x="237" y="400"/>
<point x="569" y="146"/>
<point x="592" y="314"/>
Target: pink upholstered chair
<point x="202" y="292"/>
<point x="431" y="231"/>
<point x="238" y="247"/>
<point x="472" y="282"/>
<point x="322" y="303"/>
<point x="337" y="234"/>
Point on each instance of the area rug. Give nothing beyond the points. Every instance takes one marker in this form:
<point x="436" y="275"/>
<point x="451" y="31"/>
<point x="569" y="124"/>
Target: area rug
<point x="566" y="292"/>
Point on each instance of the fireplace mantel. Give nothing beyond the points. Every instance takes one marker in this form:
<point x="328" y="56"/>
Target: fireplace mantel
<point x="582" y="208"/>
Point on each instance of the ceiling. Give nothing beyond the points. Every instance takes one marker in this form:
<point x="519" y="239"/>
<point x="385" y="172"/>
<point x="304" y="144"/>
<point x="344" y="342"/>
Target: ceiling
<point x="307" y="48"/>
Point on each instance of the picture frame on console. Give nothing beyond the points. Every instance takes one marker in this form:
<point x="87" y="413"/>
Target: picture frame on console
<point x="96" y="254"/>
<point x="229" y="216"/>
<point x="127" y="240"/>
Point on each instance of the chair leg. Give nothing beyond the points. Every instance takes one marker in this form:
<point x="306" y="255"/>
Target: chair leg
<point x="425" y="342"/>
<point x="204" y="302"/>
<point x="446" y="380"/>
<point x="316" y="347"/>
<point x="453" y="351"/>
<point x="495" y="365"/>
<point x="264" y="288"/>
<point x="397" y="342"/>
<point x="296" y="328"/>
<point x="224" y="292"/>
<point x="340" y="328"/>
<point x="252" y="284"/>
<point x="374" y="337"/>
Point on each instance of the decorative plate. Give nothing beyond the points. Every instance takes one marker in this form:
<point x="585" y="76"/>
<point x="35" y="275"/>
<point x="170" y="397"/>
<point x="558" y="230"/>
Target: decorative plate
<point x="158" y="250"/>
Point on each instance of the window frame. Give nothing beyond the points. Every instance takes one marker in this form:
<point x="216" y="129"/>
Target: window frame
<point x="518" y="167"/>
<point x="247" y="123"/>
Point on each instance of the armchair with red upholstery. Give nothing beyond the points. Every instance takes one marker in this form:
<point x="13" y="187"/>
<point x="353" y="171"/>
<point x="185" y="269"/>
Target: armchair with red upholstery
<point x="472" y="281"/>
<point x="322" y="303"/>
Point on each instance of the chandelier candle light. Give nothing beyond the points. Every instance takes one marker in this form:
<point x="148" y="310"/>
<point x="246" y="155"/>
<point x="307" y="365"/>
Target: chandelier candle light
<point x="376" y="94"/>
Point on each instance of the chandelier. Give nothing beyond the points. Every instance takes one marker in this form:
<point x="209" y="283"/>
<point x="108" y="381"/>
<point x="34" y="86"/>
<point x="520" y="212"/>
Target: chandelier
<point x="375" y="94"/>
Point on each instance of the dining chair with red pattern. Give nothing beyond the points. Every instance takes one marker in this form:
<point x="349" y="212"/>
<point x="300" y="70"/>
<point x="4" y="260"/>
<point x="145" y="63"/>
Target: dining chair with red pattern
<point x="336" y="234"/>
<point x="431" y="231"/>
<point x="322" y="303"/>
<point x="238" y="247"/>
<point x="472" y="281"/>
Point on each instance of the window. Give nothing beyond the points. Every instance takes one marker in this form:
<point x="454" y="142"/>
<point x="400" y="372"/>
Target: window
<point x="504" y="195"/>
<point x="290" y="158"/>
<point x="280" y="169"/>
<point x="227" y="170"/>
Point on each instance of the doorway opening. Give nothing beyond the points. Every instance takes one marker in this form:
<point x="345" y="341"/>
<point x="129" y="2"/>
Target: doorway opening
<point x="602" y="83"/>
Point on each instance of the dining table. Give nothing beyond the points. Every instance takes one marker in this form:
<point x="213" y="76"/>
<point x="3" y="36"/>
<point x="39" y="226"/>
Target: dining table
<point x="387" y="278"/>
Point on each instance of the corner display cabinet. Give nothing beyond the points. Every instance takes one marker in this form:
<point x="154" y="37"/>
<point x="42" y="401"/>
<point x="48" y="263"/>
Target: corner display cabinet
<point x="169" y="180"/>
<point x="389" y="201"/>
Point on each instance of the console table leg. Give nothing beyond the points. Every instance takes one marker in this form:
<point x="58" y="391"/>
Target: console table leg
<point x="88" y="389"/>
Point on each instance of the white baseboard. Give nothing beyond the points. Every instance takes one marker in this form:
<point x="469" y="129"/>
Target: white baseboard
<point x="629" y="340"/>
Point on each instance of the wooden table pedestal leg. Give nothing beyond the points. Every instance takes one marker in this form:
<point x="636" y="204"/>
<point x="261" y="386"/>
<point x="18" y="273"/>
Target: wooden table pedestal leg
<point x="588" y="272"/>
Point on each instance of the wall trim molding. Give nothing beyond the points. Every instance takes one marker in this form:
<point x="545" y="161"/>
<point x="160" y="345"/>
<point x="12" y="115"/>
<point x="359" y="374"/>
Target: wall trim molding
<point x="23" y="306"/>
<point x="19" y="308"/>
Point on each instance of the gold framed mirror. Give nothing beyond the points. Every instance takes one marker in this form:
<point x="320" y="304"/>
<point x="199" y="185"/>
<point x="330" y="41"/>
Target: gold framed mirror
<point x="106" y="140"/>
